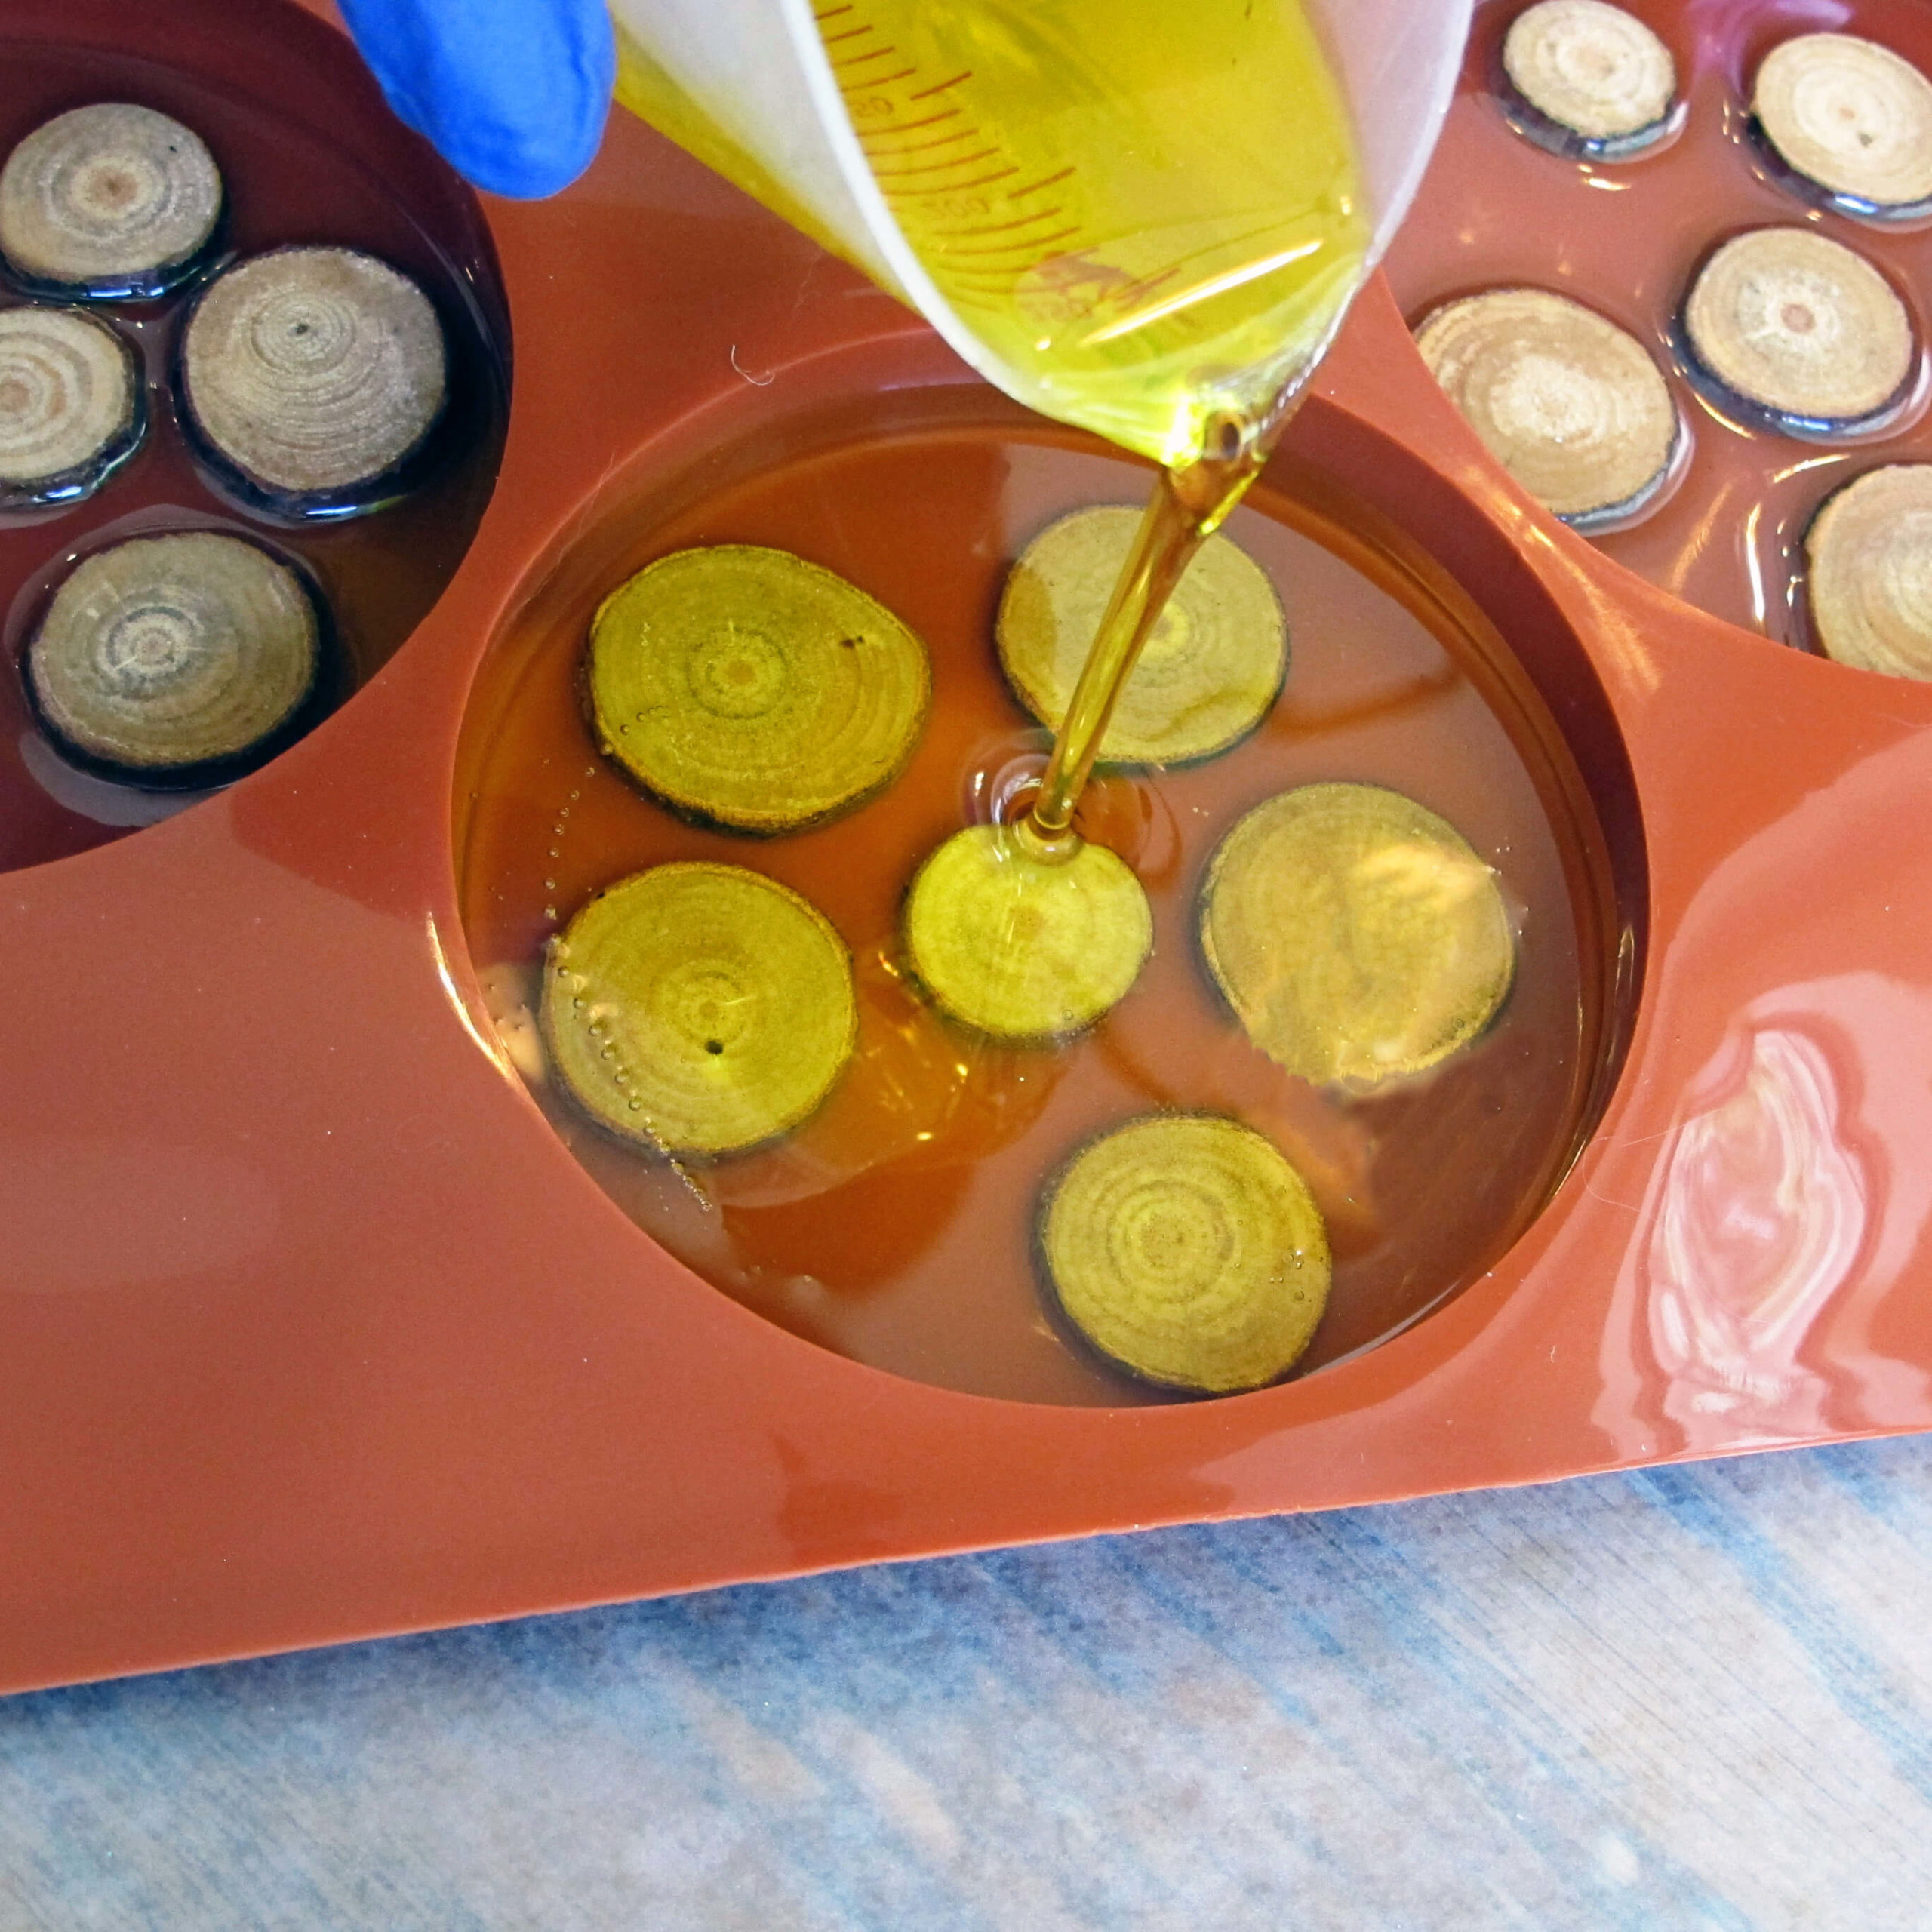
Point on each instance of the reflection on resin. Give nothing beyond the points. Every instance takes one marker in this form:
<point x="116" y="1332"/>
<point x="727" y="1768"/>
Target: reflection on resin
<point x="1761" y="1214"/>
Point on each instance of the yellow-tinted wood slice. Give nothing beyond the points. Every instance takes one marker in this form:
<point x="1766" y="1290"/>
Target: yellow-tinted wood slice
<point x="110" y="200"/>
<point x="1185" y="1247"/>
<point x="71" y="406"/>
<point x="1869" y="554"/>
<point x="313" y="375"/>
<point x="1356" y="934"/>
<point x="1851" y="116"/>
<point x="1022" y="948"/>
<point x="1571" y="405"/>
<point x="1801" y="328"/>
<point x="162" y="657"/>
<point x="1593" y="71"/>
<point x="751" y="689"/>
<point x="699" y="1009"/>
<point x="1206" y="676"/>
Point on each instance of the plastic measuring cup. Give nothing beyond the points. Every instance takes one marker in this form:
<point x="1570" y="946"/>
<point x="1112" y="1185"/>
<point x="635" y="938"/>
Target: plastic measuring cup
<point x="1012" y="130"/>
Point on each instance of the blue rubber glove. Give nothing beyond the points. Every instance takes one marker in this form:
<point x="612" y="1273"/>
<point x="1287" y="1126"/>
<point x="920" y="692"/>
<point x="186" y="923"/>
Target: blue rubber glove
<point x="513" y="93"/>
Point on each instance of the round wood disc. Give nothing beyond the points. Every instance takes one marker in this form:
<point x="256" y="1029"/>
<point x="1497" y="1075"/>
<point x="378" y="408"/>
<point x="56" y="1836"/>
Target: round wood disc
<point x="1571" y="405"/>
<point x="1020" y="947"/>
<point x="699" y="1009"/>
<point x="1800" y="328"/>
<point x="1868" y="554"/>
<point x="1592" y="69"/>
<point x="751" y="689"/>
<point x="1354" y="933"/>
<point x="313" y="373"/>
<point x="1205" y="679"/>
<point x="112" y="199"/>
<point x="71" y="406"/>
<point x="1850" y="116"/>
<point x="1185" y="1247"/>
<point x="165" y="655"/>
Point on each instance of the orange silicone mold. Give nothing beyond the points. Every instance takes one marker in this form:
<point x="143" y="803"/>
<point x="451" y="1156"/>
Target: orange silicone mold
<point x="312" y="1328"/>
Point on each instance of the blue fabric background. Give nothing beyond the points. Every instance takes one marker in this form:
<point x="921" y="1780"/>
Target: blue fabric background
<point x="1698" y="1698"/>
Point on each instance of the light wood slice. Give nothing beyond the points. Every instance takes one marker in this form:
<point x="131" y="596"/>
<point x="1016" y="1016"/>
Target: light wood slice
<point x="110" y="199"/>
<point x="1205" y="677"/>
<point x="314" y="373"/>
<point x="1188" y="1249"/>
<point x="699" y="1009"/>
<point x="1354" y="933"/>
<point x="1571" y="405"/>
<point x="1593" y="70"/>
<point x="71" y="406"/>
<point x="1802" y="328"/>
<point x="167" y="655"/>
<point x="1850" y="116"/>
<point x="1022" y="948"/>
<point x="1869" y="557"/>
<point x="749" y="688"/>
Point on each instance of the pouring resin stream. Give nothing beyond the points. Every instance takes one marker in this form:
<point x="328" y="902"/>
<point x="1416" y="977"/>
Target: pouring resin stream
<point x="1149" y="231"/>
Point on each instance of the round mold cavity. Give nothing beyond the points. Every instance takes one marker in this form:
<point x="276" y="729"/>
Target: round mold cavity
<point x="898" y="1225"/>
<point x="309" y="152"/>
<point x="1626" y="238"/>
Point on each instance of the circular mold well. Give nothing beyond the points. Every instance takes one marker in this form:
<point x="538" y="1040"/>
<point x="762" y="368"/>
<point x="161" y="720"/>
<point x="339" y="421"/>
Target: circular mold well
<point x="1626" y="238"/>
<point x="309" y="153"/>
<point x="898" y="1225"/>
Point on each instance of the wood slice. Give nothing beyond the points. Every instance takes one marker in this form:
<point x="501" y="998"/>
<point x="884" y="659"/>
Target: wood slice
<point x="1186" y="1249"/>
<point x="1205" y="677"/>
<point x="1852" y="117"/>
<point x="699" y="1009"/>
<point x="170" y="660"/>
<point x="73" y="406"/>
<point x="1571" y="405"/>
<point x="1800" y="330"/>
<point x="112" y="200"/>
<point x="1869" y="557"/>
<point x="1354" y="933"/>
<point x="1021" y="948"/>
<point x="1592" y="73"/>
<point x="748" y="688"/>
<point x="312" y="376"/>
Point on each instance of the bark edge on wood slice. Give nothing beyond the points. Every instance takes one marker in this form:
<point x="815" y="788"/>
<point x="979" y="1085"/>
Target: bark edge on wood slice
<point x="1572" y="406"/>
<point x="698" y="1009"/>
<point x="1868" y="572"/>
<point x="1356" y="935"/>
<point x="1207" y="676"/>
<point x="73" y="405"/>
<point x="1850" y="122"/>
<point x="750" y="690"/>
<point x="109" y="202"/>
<point x="1797" y="333"/>
<point x="311" y="380"/>
<point x="177" y="661"/>
<point x="1586" y="79"/>
<point x="1022" y="949"/>
<point x="1187" y="1250"/>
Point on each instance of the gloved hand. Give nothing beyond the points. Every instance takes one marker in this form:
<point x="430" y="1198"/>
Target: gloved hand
<point x="512" y="92"/>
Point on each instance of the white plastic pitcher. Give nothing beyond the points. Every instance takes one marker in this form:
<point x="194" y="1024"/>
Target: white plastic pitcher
<point x="748" y="87"/>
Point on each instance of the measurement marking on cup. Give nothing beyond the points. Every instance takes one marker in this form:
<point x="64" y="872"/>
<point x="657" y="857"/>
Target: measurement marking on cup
<point x="918" y="147"/>
<point x="909" y="127"/>
<point x="941" y="87"/>
<point x="995" y="227"/>
<point x="1045" y="181"/>
<point x="934" y="167"/>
